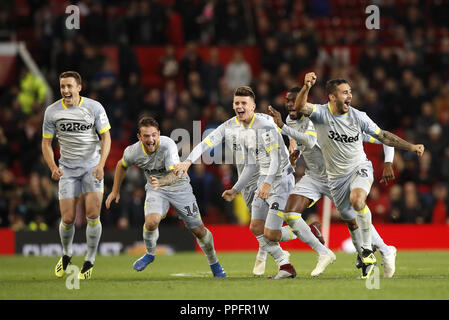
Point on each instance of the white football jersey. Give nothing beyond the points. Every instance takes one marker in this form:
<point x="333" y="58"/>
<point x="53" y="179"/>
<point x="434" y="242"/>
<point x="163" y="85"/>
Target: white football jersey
<point x="157" y="164"/>
<point x="340" y="138"/>
<point x="76" y="129"/>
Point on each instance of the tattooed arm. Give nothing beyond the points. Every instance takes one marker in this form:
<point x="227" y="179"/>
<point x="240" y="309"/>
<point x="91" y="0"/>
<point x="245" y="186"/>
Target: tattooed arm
<point x="169" y="179"/>
<point x="393" y="140"/>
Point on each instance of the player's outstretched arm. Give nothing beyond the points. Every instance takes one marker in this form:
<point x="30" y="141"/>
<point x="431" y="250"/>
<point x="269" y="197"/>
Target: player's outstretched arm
<point x="181" y="168"/>
<point x="229" y="194"/>
<point x="392" y="140"/>
<point x="301" y="104"/>
<point x="276" y="115"/>
<point x="119" y="175"/>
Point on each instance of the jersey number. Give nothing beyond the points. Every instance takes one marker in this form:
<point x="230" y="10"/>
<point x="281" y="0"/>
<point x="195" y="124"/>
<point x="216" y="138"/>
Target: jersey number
<point x="191" y="212"/>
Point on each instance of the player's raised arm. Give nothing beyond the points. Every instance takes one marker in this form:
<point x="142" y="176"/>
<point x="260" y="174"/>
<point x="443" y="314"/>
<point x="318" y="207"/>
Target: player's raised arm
<point x="301" y="104"/>
<point x="392" y="140"/>
<point x="215" y="138"/>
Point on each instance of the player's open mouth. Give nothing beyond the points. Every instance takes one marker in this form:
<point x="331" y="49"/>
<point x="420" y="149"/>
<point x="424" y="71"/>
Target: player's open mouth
<point x="241" y="112"/>
<point x="347" y="103"/>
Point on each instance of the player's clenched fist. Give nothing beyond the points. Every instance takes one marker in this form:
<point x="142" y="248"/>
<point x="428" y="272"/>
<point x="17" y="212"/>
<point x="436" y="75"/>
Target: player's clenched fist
<point x="229" y="194"/>
<point x="310" y="79"/>
<point x="418" y="149"/>
<point x="56" y="173"/>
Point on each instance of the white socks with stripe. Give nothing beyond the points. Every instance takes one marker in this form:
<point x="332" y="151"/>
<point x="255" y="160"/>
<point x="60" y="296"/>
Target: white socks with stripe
<point x="66" y="233"/>
<point x="287" y="234"/>
<point x="93" y="234"/>
<point x="363" y="219"/>
<point x="274" y="249"/>
<point x="302" y="230"/>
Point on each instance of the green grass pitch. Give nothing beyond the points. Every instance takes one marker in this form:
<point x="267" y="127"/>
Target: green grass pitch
<point x="186" y="276"/>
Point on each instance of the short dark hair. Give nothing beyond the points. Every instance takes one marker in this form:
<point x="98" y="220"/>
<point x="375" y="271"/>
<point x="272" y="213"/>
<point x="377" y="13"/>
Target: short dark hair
<point x="147" y="121"/>
<point x="71" y="74"/>
<point x="245" y="91"/>
<point x="332" y="85"/>
<point x="294" y="89"/>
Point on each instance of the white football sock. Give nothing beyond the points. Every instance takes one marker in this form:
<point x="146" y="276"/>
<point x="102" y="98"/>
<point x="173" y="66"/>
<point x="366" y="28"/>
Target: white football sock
<point x="206" y="244"/>
<point x="364" y="221"/>
<point x="274" y="249"/>
<point x="150" y="240"/>
<point x="302" y="230"/>
<point x="66" y="233"/>
<point x="93" y="234"/>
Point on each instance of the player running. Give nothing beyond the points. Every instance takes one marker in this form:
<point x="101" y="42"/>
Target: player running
<point x="230" y="131"/>
<point x="339" y="130"/>
<point x="75" y="121"/>
<point x="157" y="155"/>
<point x="313" y="185"/>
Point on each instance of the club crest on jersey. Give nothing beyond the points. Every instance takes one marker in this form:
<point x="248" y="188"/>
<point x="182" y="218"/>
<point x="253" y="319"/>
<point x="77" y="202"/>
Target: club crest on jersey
<point x="342" y="137"/>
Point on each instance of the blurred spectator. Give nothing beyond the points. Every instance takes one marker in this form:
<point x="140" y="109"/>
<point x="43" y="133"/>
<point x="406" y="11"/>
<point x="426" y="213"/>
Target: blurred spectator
<point x="29" y="139"/>
<point x="271" y="55"/>
<point x="68" y="58"/>
<point x="207" y="22"/>
<point x="190" y="11"/>
<point x="412" y="210"/>
<point x="32" y="92"/>
<point x="379" y="204"/>
<point x="5" y="150"/>
<point x="230" y="25"/>
<point x="440" y="211"/>
<point x="445" y="166"/>
<point x="168" y="65"/>
<point x="105" y="80"/>
<point x="424" y="121"/>
<point x="170" y="98"/>
<point x="91" y="62"/>
<point x="395" y="196"/>
<point x="134" y="94"/>
<point x="238" y="72"/>
<point x="38" y="203"/>
<point x="174" y="32"/>
<point x="94" y="25"/>
<point x="211" y="73"/>
<point x="204" y="186"/>
<point x="117" y="111"/>
<point x="300" y="60"/>
<point x="115" y="26"/>
<point x="153" y="105"/>
<point x="190" y="61"/>
<point x="127" y="59"/>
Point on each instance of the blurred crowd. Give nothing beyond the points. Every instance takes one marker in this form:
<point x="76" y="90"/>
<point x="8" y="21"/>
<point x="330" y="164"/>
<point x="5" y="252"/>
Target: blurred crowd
<point x="401" y="79"/>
